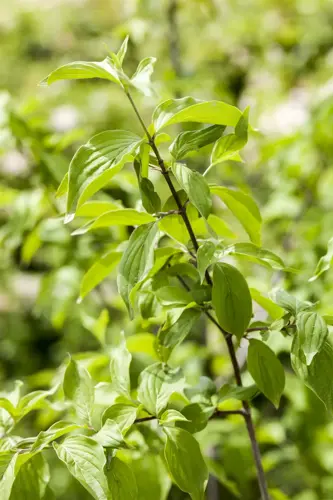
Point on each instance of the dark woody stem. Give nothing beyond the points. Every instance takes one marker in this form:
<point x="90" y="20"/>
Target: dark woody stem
<point x="246" y="412"/>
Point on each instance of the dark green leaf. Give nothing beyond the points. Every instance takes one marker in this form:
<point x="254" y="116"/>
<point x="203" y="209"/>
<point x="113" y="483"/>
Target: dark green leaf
<point x="266" y="370"/>
<point x="137" y="260"/>
<point x="187" y="142"/>
<point x="185" y="462"/>
<point x="150" y="199"/>
<point x="197" y="416"/>
<point x="195" y="187"/>
<point x="317" y="376"/>
<point x="228" y="391"/>
<point x="231" y="299"/>
<point x="121" y="481"/>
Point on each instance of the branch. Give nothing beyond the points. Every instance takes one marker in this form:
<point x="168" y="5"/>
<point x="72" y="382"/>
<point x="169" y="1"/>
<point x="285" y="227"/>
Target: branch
<point x="227" y="336"/>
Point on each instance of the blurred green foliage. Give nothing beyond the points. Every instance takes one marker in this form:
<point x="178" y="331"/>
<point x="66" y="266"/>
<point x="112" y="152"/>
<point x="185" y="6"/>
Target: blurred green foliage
<point x="276" y="57"/>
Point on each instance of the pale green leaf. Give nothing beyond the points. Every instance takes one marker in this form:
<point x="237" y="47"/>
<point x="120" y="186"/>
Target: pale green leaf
<point x="137" y="260"/>
<point x="54" y="432"/>
<point x="83" y="69"/>
<point x="79" y="389"/>
<point x="169" y="417"/>
<point x="85" y="460"/>
<point x="290" y="303"/>
<point x="255" y="253"/>
<point x="110" y="435"/>
<point x="123" y="414"/>
<point x="120" y="360"/>
<point x="312" y="333"/>
<point x="275" y="311"/>
<point x="122" y="217"/>
<point x="243" y="208"/>
<point x="173" y="296"/>
<point x="99" y="271"/>
<point x="156" y="384"/>
<point x="266" y="370"/>
<point x="231" y="299"/>
<point x="195" y="187"/>
<point x="325" y="262"/>
<point x="188" y="109"/>
<point x="121" y="481"/>
<point x="96" y="162"/>
<point x="122" y="51"/>
<point x="185" y="462"/>
<point x="94" y="208"/>
<point x="141" y="78"/>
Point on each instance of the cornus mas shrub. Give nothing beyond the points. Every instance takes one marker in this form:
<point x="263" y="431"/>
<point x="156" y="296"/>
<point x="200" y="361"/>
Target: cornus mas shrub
<point x="174" y="270"/>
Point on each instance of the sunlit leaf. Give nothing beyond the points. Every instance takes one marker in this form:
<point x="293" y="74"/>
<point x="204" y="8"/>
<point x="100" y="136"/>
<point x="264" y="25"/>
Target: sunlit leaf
<point x="195" y="187"/>
<point x="312" y="333"/>
<point x="187" y="142"/>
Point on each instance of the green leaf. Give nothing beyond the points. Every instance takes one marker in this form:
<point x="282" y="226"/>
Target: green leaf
<point x="202" y="392"/>
<point x="9" y="467"/>
<point x="216" y="469"/>
<point x="243" y="208"/>
<point x="173" y="333"/>
<point x="169" y="417"/>
<point x="228" y="146"/>
<point x="92" y="209"/>
<point x="85" y="460"/>
<point x="137" y="260"/>
<point x="197" y="415"/>
<point x="120" y="360"/>
<point x="79" y="388"/>
<point x="290" y="303"/>
<point x="173" y="296"/>
<point x="122" y="217"/>
<point x="188" y="109"/>
<point x="312" y="333"/>
<point x="121" y="481"/>
<point x="195" y="187"/>
<point x="152" y="479"/>
<point x="205" y="257"/>
<point x="229" y="391"/>
<point x="32" y="480"/>
<point x="54" y="432"/>
<point x="122" y="51"/>
<point x="110" y="435"/>
<point x="150" y="199"/>
<point x="325" y="262"/>
<point x="96" y="162"/>
<point x="174" y="225"/>
<point x="123" y="414"/>
<point x="82" y="70"/>
<point x="266" y="370"/>
<point x="258" y="254"/>
<point x="156" y="384"/>
<point x="187" y="142"/>
<point x="231" y="299"/>
<point x="141" y="78"/>
<point x="99" y="271"/>
<point x="185" y="462"/>
<point x="275" y="311"/>
<point x="317" y="375"/>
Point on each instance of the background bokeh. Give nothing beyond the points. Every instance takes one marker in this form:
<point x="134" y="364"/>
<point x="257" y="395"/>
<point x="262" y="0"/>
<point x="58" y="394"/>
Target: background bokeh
<point x="275" y="56"/>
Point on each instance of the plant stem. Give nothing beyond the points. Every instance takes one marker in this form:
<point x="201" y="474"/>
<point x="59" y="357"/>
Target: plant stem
<point x="246" y="408"/>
